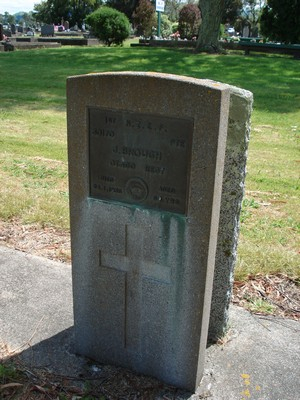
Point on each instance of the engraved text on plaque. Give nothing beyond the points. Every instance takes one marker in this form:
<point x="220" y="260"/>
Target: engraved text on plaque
<point x="140" y="159"/>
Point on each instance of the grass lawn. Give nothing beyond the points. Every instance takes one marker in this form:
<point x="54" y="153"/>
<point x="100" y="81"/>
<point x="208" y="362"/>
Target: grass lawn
<point x="33" y="153"/>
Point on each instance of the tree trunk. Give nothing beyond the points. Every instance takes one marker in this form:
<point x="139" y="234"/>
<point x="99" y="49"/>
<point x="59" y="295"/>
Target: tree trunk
<point x="211" y="14"/>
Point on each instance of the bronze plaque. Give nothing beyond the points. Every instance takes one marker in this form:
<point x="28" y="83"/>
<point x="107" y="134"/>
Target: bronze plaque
<point x="140" y="159"/>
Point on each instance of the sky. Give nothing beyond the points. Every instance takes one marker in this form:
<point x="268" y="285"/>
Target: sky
<point x="14" y="6"/>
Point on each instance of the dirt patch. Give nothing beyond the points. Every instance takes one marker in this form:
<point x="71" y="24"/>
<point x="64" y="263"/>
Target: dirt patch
<point x="269" y="295"/>
<point x="47" y="242"/>
<point x="96" y="383"/>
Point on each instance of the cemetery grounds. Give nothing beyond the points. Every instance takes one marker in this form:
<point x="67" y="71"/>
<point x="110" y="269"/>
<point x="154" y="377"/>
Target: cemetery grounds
<point x="34" y="213"/>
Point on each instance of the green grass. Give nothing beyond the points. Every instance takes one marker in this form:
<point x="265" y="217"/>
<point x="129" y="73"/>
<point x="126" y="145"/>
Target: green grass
<point x="33" y="161"/>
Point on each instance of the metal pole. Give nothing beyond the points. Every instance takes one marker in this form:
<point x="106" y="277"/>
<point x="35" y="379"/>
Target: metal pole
<point x="158" y="24"/>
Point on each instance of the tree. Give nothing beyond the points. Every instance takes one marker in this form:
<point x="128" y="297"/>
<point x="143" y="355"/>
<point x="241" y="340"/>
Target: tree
<point x="144" y="18"/>
<point x="74" y="11"/>
<point x="11" y="19"/>
<point x="250" y="15"/>
<point x="172" y="8"/>
<point x="189" y="21"/>
<point x="28" y="19"/>
<point x="280" y="21"/>
<point x="79" y="9"/>
<point x="211" y="14"/>
<point x="109" y="25"/>
<point x="232" y="9"/>
<point x="125" y="6"/>
<point x="42" y="12"/>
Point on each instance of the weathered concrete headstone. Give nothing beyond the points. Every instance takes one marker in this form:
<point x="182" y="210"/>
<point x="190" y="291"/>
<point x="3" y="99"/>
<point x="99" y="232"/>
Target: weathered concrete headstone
<point x="47" y="30"/>
<point x="146" y="155"/>
<point x="67" y="25"/>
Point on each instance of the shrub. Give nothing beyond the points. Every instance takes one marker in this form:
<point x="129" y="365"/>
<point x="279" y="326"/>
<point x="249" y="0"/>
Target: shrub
<point x="144" y="18"/>
<point x="109" y="25"/>
<point x="189" y="21"/>
<point x="166" y="26"/>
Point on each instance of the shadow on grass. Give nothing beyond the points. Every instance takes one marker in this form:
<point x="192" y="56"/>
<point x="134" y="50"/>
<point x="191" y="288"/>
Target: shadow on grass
<point x="36" y="79"/>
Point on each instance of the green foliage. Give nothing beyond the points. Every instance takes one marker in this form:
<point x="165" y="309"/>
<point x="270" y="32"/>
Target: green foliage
<point x="29" y="169"/>
<point x="127" y="7"/>
<point x="246" y="205"/>
<point x="109" y="25"/>
<point x="174" y="27"/>
<point x="74" y="11"/>
<point x="232" y="9"/>
<point x="258" y="305"/>
<point x="166" y="26"/>
<point x="51" y="11"/>
<point x="172" y="8"/>
<point x="189" y="21"/>
<point x="144" y="18"/>
<point x="280" y="21"/>
<point x="78" y="10"/>
<point x="8" y="372"/>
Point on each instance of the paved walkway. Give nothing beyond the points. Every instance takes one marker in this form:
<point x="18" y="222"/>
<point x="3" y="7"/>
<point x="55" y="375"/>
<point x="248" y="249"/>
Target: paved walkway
<point x="259" y="359"/>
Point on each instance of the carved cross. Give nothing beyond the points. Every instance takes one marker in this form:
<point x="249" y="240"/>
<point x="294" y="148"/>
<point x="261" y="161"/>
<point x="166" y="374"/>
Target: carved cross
<point x="136" y="269"/>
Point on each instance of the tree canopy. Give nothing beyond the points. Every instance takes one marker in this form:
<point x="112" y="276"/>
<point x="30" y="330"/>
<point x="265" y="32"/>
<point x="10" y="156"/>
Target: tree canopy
<point x="232" y="9"/>
<point x="74" y="11"/>
<point x="125" y="6"/>
<point x="280" y="21"/>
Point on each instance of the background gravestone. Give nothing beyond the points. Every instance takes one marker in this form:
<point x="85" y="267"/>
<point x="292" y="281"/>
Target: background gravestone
<point x="246" y="31"/>
<point x="1" y="32"/>
<point x="7" y="32"/>
<point x="47" y="30"/>
<point x="145" y="172"/>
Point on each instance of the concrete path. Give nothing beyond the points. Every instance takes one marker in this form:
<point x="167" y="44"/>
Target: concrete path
<point x="258" y="360"/>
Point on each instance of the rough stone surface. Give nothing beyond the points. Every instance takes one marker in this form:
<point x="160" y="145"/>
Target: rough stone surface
<point x="142" y="278"/>
<point x="232" y="196"/>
